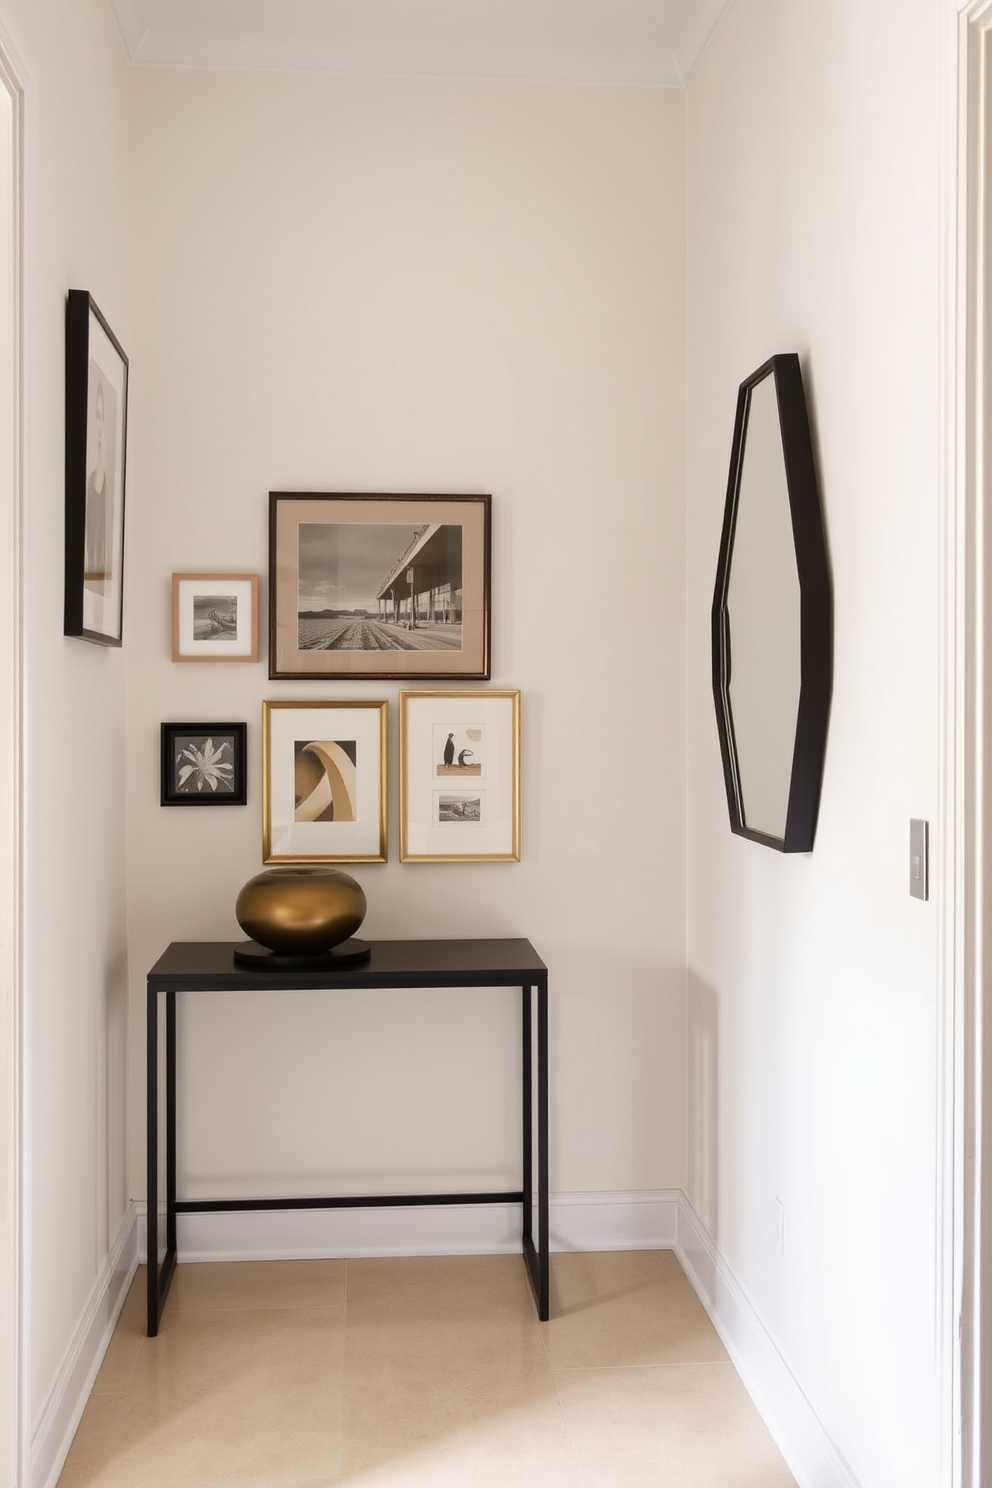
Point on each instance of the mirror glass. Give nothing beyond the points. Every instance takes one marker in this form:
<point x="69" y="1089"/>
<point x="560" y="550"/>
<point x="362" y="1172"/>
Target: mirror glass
<point x="763" y="620"/>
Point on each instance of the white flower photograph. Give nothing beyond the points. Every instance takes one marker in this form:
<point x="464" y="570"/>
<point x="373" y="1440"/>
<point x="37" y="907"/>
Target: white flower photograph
<point x="203" y="764"/>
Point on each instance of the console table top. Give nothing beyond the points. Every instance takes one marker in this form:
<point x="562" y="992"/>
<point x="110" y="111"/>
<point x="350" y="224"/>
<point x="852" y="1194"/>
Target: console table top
<point x="210" y="964"/>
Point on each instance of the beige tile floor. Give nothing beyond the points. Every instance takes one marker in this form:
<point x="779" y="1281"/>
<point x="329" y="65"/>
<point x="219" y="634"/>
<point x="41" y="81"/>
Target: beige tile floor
<point x="422" y="1373"/>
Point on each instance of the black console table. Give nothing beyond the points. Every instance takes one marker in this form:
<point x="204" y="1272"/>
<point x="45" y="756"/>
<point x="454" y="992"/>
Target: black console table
<point x="209" y="966"/>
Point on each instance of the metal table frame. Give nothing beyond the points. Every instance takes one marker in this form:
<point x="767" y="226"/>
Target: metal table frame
<point x="205" y="966"/>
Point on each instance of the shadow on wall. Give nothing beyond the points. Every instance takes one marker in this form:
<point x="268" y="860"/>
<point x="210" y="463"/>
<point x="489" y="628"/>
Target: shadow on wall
<point x="113" y="1081"/>
<point x="703" y="1072"/>
<point x="617" y="1079"/>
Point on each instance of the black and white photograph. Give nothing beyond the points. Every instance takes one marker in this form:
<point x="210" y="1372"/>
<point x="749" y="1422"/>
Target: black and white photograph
<point x="392" y="588"/>
<point x="324" y="782"/>
<point x="203" y="764"/>
<point x="457" y="809"/>
<point x="379" y="586"/>
<point x="96" y="377"/>
<point x="214" y="617"/>
<point x="460" y="777"/>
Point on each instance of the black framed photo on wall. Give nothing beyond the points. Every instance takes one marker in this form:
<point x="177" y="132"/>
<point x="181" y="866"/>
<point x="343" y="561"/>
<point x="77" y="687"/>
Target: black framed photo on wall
<point x="371" y="586"/>
<point x="96" y="378"/>
<point x="204" y="764"/>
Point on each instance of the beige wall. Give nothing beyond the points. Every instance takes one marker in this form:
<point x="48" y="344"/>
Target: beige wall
<point x="813" y="991"/>
<point x="74" y="935"/>
<point x="356" y="285"/>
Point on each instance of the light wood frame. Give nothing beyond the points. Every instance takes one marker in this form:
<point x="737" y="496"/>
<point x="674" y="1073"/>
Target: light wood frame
<point x="230" y="596"/>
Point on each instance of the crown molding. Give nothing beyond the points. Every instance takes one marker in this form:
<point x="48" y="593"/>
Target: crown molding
<point x="640" y="43"/>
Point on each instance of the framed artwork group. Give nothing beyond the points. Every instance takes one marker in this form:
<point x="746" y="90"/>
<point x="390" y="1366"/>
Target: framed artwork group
<point x="324" y="777"/>
<point x="361" y="587"/>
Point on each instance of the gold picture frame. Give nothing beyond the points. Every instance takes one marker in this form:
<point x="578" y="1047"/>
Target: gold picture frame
<point x="460" y="777"/>
<point x="215" y="617"/>
<point x="324" y="781"/>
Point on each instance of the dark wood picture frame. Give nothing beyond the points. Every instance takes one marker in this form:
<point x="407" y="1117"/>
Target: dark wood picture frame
<point x="379" y="586"/>
<point x="96" y="382"/>
<point x="204" y="764"/>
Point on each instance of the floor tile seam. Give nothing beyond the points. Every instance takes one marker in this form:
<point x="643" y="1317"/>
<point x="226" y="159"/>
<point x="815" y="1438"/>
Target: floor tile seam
<point x="256" y="1311"/>
<point x="668" y="1364"/>
<point x="580" y="1477"/>
<point x="113" y="1436"/>
<point x="140" y="1345"/>
<point x="544" y="1333"/>
<point x="100" y="1391"/>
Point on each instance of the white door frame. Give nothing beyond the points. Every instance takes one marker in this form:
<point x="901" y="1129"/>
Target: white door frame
<point x="965" y="1324"/>
<point x="13" y="1429"/>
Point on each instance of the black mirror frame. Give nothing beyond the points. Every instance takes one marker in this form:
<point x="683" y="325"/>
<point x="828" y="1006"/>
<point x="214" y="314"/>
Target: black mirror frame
<point x="816" y="611"/>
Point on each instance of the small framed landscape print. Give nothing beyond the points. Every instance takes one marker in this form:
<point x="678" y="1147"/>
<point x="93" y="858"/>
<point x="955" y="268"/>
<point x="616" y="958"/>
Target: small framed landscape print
<point x="214" y="617"/>
<point x="459" y="777"/>
<point x="203" y="764"/>
<point x="324" y="782"/>
<point x="96" y="373"/>
<point x="378" y="586"/>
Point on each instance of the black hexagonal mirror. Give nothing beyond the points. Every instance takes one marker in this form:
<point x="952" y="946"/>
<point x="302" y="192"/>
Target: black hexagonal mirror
<point x="772" y="620"/>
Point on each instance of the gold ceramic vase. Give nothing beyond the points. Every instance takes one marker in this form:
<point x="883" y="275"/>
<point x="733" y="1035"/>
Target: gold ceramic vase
<point x="300" y="911"/>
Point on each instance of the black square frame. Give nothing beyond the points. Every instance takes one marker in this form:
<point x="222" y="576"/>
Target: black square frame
<point x="204" y="764"/>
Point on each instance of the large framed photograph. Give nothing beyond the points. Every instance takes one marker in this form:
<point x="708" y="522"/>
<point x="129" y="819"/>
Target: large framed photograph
<point x="324" y="782"/>
<point x="378" y="586"/>
<point x="459" y="777"/>
<point x="214" y="617"/>
<point x="96" y="373"/>
<point x="204" y="764"/>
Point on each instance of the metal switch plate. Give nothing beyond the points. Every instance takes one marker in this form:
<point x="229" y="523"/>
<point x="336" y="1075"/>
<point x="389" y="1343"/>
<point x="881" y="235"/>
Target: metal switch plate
<point x="919" y="859"/>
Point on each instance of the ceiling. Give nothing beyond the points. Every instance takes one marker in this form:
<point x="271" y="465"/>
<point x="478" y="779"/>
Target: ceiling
<point x="632" y="42"/>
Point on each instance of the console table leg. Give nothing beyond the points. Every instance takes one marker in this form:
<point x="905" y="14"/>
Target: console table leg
<point x="170" y="1123"/>
<point x="543" y="1218"/>
<point x="151" y="1156"/>
<point x="527" y="1081"/>
<point x="537" y="1255"/>
<point x="160" y="1274"/>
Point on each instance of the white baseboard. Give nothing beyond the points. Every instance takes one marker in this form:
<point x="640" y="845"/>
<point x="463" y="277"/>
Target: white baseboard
<point x="800" y="1435"/>
<point x="52" y="1436"/>
<point x="303" y="1234"/>
<point x="615" y="1221"/>
<point x="578" y="1221"/>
